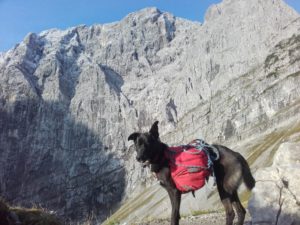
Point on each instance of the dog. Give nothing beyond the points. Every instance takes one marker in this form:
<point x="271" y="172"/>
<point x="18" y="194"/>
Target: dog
<point x="230" y="170"/>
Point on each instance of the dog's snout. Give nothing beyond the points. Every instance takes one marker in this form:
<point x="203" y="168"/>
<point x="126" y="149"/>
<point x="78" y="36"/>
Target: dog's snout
<point x="140" y="158"/>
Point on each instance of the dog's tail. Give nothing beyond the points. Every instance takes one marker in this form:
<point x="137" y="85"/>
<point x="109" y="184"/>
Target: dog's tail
<point x="246" y="173"/>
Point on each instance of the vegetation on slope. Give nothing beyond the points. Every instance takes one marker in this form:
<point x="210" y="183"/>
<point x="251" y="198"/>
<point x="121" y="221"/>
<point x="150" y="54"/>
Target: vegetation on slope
<point x="23" y="216"/>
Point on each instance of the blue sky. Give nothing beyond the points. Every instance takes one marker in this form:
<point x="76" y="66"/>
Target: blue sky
<point x="19" y="17"/>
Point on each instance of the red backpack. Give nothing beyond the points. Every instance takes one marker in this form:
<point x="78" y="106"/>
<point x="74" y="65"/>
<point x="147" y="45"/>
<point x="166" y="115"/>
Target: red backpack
<point x="190" y="165"/>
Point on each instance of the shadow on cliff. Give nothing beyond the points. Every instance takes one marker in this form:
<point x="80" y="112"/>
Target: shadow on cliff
<point x="49" y="159"/>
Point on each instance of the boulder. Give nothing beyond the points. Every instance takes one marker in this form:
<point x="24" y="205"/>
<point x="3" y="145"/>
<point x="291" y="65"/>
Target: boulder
<point x="275" y="199"/>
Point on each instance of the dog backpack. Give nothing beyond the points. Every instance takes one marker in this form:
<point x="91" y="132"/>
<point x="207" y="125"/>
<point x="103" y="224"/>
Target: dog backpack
<point x="190" y="165"/>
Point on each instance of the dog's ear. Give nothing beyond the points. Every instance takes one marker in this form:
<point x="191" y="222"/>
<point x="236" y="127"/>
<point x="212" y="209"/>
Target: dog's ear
<point x="154" y="130"/>
<point x="133" y="136"/>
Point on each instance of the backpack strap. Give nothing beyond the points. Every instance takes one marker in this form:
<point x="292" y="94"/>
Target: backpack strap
<point x="211" y="151"/>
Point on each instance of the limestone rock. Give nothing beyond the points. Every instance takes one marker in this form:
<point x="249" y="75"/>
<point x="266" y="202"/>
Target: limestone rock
<point x="275" y="198"/>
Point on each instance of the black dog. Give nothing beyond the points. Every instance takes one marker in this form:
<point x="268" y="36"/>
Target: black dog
<point x="230" y="170"/>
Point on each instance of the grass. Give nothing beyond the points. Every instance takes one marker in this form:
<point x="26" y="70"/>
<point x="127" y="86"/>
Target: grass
<point x="244" y="197"/>
<point x="270" y="141"/>
<point x="32" y="216"/>
<point x="203" y="212"/>
<point x="35" y="216"/>
<point x="112" y="222"/>
<point x="129" y="208"/>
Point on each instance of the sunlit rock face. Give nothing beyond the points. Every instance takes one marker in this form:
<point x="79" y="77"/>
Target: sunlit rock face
<point x="69" y="99"/>
<point x="275" y="198"/>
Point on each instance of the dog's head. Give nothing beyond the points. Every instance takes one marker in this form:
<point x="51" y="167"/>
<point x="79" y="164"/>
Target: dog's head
<point x="146" y="144"/>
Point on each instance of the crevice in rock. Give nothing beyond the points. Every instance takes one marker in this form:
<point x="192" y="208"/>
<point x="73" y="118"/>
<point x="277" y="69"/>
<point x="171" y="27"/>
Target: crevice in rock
<point x="286" y="186"/>
<point x="280" y="202"/>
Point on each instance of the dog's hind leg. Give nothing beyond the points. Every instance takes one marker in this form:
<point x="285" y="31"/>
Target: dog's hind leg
<point x="238" y="207"/>
<point x="226" y="201"/>
<point x="229" y="210"/>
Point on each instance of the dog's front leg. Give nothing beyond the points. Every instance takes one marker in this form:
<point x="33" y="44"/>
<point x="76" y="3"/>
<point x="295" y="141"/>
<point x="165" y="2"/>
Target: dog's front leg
<point x="164" y="176"/>
<point x="175" y="197"/>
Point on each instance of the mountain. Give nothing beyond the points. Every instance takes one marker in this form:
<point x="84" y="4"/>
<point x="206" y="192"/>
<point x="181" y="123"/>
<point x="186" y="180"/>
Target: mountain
<point x="70" y="98"/>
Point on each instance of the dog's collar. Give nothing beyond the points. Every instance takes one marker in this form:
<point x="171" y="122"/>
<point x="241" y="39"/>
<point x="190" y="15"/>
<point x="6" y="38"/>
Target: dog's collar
<point x="158" y="163"/>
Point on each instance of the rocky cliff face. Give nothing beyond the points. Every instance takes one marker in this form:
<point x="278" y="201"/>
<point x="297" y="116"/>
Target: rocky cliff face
<point x="69" y="99"/>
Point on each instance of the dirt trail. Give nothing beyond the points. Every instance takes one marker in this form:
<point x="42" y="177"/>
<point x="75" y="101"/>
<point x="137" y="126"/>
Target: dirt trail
<point x="207" y="219"/>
